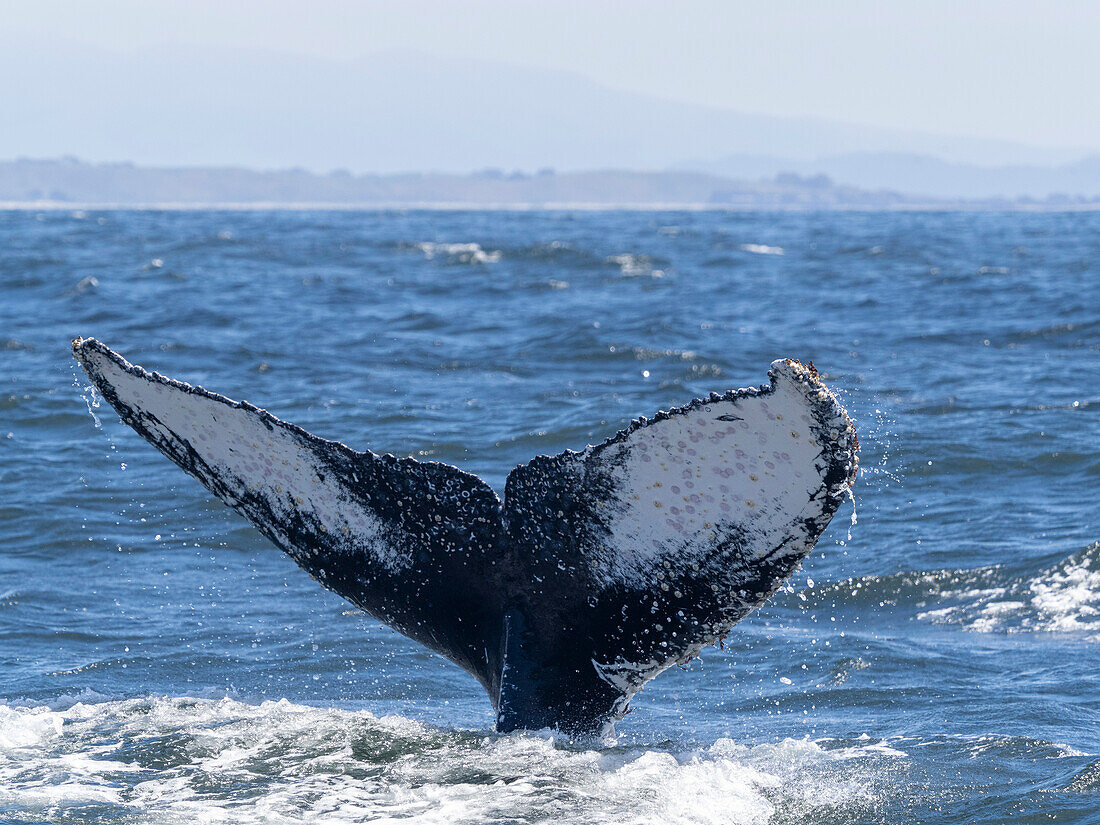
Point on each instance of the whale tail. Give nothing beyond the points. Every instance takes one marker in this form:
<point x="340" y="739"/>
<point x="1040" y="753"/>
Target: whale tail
<point x="600" y="569"/>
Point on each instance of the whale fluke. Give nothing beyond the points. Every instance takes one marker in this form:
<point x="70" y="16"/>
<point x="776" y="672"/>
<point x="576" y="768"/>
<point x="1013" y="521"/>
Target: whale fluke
<point x="600" y="569"/>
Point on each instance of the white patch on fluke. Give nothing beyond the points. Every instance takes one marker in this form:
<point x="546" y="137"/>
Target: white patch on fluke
<point x="624" y="675"/>
<point x="251" y="454"/>
<point x="754" y="464"/>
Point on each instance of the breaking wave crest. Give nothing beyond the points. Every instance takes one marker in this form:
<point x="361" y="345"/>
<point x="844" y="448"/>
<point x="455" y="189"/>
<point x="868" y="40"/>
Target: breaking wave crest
<point x="1063" y="597"/>
<point x="196" y="760"/>
<point x="463" y="253"/>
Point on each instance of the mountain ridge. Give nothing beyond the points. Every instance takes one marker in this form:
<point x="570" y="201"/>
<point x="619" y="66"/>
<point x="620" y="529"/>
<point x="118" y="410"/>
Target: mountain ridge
<point x="394" y="111"/>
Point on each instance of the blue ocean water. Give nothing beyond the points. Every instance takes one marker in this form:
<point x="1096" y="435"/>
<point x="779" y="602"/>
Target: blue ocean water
<point x="937" y="659"/>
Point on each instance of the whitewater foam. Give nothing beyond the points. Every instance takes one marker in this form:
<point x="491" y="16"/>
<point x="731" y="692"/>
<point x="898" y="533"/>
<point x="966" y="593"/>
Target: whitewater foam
<point x="467" y="253"/>
<point x="631" y="265"/>
<point x="1064" y="598"/>
<point x="194" y="760"/>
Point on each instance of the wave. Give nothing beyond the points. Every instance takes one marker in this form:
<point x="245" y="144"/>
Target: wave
<point x="558" y="253"/>
<point x="761" y="249"/>
<point x="632" y="265"/>
<point x="1073" y="335"/>
<point x="463" y="253"/>
<point x="566" y="256"/>
<point x="188" y="759"/>
<point x="1063" y="597"/>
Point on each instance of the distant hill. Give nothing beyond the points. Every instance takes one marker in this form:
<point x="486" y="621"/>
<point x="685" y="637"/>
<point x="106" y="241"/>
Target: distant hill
<point x="398" y="111"/>
<point x="922" y="175"/>
<point x="72" y="181"/>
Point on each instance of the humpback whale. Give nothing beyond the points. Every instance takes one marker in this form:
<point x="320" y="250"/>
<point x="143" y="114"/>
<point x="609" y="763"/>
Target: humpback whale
<point x="598" y="570"/>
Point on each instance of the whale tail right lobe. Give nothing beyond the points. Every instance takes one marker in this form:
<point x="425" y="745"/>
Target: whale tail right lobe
<point x="599" y="570"/>
<point x="647" y="548"/>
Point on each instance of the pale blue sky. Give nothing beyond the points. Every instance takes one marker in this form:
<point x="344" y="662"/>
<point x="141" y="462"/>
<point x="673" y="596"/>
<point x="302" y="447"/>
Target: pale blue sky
<point x="1011" y="69"/>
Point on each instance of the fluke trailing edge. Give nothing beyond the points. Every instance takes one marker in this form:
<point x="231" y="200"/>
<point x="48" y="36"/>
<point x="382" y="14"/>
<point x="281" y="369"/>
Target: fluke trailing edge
<point x="600" y="569"/>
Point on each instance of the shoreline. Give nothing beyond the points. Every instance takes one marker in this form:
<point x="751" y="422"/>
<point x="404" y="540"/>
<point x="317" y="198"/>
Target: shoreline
<point x="471" y="206"/>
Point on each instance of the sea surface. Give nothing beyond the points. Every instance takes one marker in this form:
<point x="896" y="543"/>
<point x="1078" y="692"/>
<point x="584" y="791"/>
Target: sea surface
<point x="936" y="660"/>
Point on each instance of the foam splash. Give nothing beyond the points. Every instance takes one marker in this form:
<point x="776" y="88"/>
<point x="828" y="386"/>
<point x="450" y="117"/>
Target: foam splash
<point x="466" y="253"/>
<point x="1059" y="598"/>
<point x="1064" y="598"/>
<point x="631" y="265"/>
<point x="193" y="760"/>
<point x="855" y="516"/>
<point x="761" y="249"/>
<point x="91" y="399"/>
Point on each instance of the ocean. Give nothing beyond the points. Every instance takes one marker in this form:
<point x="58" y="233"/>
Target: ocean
<point x="935" y="660"/>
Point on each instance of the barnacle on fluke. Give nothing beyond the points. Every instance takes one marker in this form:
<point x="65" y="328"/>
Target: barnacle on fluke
<point x="600" y="569"/>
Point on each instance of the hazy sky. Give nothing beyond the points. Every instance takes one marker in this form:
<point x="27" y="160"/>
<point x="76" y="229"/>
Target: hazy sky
<point x="1011" y="69"/>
